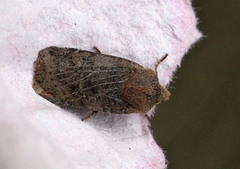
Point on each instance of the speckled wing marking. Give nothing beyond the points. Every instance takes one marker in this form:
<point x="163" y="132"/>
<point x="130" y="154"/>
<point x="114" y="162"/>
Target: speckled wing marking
<point x="70" y="77"/>
<point x="74" y="78"/>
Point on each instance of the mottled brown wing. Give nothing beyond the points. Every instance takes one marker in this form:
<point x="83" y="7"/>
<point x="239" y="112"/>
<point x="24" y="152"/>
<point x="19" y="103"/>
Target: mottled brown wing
<point x="73" y="78"/>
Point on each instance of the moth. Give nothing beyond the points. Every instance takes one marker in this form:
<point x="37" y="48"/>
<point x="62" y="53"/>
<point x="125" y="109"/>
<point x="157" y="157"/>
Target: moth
<point x="74" y="78"/>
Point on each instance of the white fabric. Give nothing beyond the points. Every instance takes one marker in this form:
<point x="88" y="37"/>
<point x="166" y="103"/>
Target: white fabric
<point x="37" y="134"/>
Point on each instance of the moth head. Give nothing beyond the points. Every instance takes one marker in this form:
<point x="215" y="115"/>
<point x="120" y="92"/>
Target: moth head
<point x="142" y="90"/>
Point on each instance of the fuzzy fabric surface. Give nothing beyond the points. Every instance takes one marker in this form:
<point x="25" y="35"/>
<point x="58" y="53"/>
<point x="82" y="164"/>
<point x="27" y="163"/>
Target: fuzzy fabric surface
<point x="37" y="134"/>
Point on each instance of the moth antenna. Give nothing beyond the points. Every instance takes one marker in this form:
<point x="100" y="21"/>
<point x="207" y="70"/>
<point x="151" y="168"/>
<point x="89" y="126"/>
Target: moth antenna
<point x="159" y="61"/>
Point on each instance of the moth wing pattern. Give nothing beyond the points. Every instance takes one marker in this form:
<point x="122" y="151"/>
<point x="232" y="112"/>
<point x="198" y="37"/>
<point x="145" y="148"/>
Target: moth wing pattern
<point x="73" y="78"/>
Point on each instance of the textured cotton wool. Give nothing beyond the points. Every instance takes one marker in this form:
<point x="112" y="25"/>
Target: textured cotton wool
<point x="141" y="31"/>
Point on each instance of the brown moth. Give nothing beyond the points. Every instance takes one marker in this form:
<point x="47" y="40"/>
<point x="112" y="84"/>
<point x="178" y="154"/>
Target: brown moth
<point x="75" y="78"/>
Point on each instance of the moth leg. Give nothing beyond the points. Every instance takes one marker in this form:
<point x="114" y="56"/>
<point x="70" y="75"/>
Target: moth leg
<point x="147" y="117"/>
<point x="91" y="114"/>
<point x="160" y="60"/>
<point x="96" y="50"/>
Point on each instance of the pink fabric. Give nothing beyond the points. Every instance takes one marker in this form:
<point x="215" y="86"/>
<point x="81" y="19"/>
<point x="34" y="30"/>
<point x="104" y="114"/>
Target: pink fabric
<point x="42" y="134"/>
